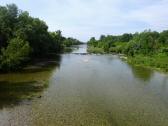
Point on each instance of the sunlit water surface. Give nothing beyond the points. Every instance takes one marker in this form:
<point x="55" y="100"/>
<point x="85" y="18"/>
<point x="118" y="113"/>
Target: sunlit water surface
<point x="85" y="90"/>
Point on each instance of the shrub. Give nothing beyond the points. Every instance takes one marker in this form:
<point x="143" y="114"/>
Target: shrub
<point x="16" y="53"/>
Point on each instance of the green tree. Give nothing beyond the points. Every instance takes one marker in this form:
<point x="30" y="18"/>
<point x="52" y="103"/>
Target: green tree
<point x="15" y="54"/>
<point x="92" y="42"/>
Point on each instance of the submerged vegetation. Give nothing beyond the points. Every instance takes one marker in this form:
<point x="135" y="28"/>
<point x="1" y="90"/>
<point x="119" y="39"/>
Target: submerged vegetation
<point x="23" y="37"/>
<point x="148" y="48"/>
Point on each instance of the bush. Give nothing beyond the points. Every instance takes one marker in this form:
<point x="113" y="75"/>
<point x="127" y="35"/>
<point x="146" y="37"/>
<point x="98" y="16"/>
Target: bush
<point x="95" y="50"/>
<point x="14" y="55"/>
<point x="159" y="61"/>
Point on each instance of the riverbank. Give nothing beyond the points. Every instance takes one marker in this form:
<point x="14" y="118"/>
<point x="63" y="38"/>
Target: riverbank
<point x="157" y="61"/>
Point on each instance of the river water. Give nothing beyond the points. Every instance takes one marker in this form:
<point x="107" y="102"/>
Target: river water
<point x="84" y="90"/>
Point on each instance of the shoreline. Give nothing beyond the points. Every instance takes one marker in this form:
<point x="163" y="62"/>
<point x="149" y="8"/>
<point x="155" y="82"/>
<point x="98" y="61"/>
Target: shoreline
<point x="133" y="60"/>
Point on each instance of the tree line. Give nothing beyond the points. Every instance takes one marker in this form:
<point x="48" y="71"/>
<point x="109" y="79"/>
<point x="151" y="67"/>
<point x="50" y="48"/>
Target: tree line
<point x="23" y="37"/>
<point x="148" y="48"/>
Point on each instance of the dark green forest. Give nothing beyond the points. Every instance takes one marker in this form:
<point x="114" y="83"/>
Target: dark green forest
<point x="23" y="38"/>
<point x="148" y="48"/>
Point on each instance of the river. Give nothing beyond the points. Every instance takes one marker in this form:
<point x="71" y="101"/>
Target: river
<point x="84" y="90"/>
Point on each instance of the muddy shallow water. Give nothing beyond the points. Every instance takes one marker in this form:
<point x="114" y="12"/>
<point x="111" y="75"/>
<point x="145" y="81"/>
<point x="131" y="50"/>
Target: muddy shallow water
<point x="85" y="90"/>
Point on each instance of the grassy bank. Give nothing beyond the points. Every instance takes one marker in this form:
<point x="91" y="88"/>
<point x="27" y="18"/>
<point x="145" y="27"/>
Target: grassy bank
<point x="157" y="61"/>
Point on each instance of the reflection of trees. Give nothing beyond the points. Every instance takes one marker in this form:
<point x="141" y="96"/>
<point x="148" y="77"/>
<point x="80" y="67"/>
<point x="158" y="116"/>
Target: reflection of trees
<point x="13" y="93"/>
<point x="164" y="90"/>
<point x="27" y="84"/>
<point x="165" y="83"/>
<point x="142" y="73"/>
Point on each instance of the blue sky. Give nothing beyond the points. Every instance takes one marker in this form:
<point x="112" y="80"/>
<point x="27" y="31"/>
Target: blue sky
<point x="83" y="19"/>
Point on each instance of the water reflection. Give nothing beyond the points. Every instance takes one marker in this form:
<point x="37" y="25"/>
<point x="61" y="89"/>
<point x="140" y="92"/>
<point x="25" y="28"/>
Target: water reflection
<point x="13" y="93"/>
<point x="80" y="49"/>
<point x="28" y="83"/>
<point x="141" y="73"/>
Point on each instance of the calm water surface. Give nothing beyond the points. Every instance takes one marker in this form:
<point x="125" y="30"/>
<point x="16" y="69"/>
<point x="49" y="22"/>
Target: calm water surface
<point x="84" y="90"/>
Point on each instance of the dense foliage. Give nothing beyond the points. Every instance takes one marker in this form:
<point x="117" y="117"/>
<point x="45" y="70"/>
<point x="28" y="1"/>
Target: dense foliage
<point x="71" y="41"/>
<point x="107" y="43"/>
<point x="16" y="52"/>
<point x="23" y="36"/>
<point x="138" y="47"/>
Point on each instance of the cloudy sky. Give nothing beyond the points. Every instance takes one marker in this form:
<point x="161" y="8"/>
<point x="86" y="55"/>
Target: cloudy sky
<point x="83" y="19"/>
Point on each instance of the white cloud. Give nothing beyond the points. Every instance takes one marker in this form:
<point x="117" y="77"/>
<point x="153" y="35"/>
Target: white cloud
<point x="155" y="15"/>
<point x="86" y="18"/>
